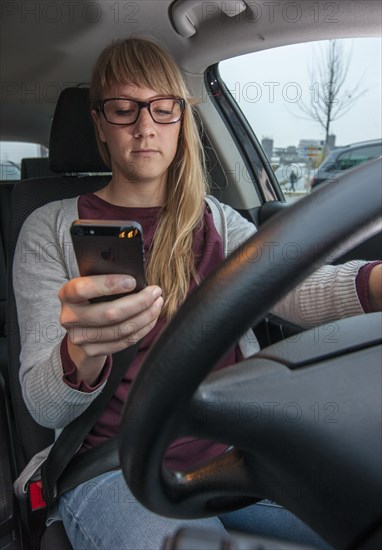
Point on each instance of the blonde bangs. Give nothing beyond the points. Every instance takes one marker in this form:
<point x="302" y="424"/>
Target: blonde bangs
<point x="138" y="62"/>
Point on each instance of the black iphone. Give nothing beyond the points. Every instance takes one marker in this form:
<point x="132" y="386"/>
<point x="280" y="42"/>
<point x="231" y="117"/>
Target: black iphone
<point x="103" y="247"/>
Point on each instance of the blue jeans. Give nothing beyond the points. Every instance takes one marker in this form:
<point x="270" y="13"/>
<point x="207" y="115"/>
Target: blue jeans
<point x="269" y="519"/>
<point x="103" y="514"/>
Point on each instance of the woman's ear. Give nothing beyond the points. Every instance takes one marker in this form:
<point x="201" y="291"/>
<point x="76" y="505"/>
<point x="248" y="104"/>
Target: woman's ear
<point x="97" y="122"/>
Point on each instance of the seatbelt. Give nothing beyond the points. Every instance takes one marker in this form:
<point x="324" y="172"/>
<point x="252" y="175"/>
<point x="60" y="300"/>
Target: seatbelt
<point x="73" y="435"/>
<point x="85" y="466"/>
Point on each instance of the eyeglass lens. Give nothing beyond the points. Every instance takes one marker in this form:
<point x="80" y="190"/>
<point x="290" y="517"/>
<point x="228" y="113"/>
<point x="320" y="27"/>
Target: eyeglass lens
<point x="125" y="111"/>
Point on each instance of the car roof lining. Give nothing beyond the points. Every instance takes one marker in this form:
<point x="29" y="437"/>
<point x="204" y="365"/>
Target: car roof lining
<point x="63" y="45"/>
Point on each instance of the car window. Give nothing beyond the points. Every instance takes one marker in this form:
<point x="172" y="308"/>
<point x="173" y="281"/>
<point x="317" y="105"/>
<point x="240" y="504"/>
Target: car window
<point x="357" y="156"/>
<point x="280" y="90"/>
<point x="11" y="155"/>
<point x="9" y="171"/>
<point x="330" y="166"/>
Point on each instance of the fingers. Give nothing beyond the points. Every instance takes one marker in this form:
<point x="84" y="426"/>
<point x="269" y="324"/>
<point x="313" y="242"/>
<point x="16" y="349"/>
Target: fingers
<point x="95" y="349"/>
<point x="106" y="327"/>
<point x="127" y="332"/>
<point x="107" y="314"/>
<point x="81" y="289"/>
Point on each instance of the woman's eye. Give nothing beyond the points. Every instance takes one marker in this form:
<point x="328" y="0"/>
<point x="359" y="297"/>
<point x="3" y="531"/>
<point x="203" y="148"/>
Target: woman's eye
<point x="124" y="112"/>
<point x="162" y="112"/>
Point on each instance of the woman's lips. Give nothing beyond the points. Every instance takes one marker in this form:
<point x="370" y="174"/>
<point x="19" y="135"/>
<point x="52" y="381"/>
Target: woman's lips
<point x="145" y="152"/>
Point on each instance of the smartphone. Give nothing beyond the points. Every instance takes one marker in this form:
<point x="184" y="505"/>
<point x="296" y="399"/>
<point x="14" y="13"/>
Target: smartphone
<point x="103" y="247"/>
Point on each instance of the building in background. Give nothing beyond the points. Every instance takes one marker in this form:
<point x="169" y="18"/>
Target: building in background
<point x="267" y="145"/>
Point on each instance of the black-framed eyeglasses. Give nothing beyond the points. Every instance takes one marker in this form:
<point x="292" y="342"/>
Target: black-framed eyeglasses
<point x="122" y="111"/>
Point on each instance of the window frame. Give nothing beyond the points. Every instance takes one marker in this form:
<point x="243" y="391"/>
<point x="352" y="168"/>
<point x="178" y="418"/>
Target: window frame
<point x="251" y="151"/>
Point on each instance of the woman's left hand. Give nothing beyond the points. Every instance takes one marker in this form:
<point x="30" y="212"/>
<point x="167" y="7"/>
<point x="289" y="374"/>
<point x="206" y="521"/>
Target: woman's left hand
<point x="375" y="288"/>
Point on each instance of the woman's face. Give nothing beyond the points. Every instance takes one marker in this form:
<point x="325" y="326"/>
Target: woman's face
<point x="142" y="152"/>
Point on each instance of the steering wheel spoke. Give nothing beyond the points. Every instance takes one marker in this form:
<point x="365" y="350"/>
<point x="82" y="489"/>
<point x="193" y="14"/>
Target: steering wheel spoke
<point x="223" y="484"/>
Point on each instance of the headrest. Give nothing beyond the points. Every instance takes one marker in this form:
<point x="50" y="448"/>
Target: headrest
<point x="36" y="167"/>
<point x="73" y="145"/>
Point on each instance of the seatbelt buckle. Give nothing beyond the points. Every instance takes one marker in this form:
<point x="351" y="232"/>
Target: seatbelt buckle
<point x="36" y="499"/>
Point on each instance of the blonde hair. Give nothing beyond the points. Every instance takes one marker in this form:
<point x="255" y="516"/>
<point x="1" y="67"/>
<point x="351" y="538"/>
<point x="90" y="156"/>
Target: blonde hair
<point x="171" y="263"/>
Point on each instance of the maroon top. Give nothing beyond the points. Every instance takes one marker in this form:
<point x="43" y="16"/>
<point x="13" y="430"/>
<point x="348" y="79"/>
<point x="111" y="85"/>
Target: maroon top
<point x="186" y="452"/>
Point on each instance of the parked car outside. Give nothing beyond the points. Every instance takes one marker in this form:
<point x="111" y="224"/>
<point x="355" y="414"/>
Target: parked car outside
<point x="344" y="158"/>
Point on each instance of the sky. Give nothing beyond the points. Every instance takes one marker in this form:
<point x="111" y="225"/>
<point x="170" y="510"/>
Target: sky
<point x="268" y="86"/>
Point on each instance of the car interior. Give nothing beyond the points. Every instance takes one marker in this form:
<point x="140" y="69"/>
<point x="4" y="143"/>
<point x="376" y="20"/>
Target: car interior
<point x="336" y="464"/>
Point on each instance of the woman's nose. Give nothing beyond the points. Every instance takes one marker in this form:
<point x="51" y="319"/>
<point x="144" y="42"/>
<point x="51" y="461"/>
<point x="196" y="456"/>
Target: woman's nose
<point x="145" y="124"/>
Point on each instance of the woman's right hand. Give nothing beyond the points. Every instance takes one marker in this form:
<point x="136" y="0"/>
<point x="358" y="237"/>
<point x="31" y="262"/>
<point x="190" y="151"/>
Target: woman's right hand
<point x="96" y="330"/>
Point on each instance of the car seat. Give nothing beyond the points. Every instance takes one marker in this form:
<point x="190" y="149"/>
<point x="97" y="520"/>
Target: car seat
<point x="74" y="152"/>
<point x="38" y="167"/>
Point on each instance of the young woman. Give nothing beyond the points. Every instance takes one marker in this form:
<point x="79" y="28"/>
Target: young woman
<point x="147" y="135"/>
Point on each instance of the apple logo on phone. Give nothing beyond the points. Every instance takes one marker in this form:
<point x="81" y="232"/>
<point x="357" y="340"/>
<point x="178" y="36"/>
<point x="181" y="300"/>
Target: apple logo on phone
<point x="108" y="255"/>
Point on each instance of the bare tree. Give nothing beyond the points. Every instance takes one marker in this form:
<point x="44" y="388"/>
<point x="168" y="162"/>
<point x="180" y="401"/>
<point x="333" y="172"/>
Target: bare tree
<point x="330" y="100"/>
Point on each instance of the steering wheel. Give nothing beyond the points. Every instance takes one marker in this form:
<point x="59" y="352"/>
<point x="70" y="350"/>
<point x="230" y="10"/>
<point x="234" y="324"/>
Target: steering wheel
<point x="304" y="425"/>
